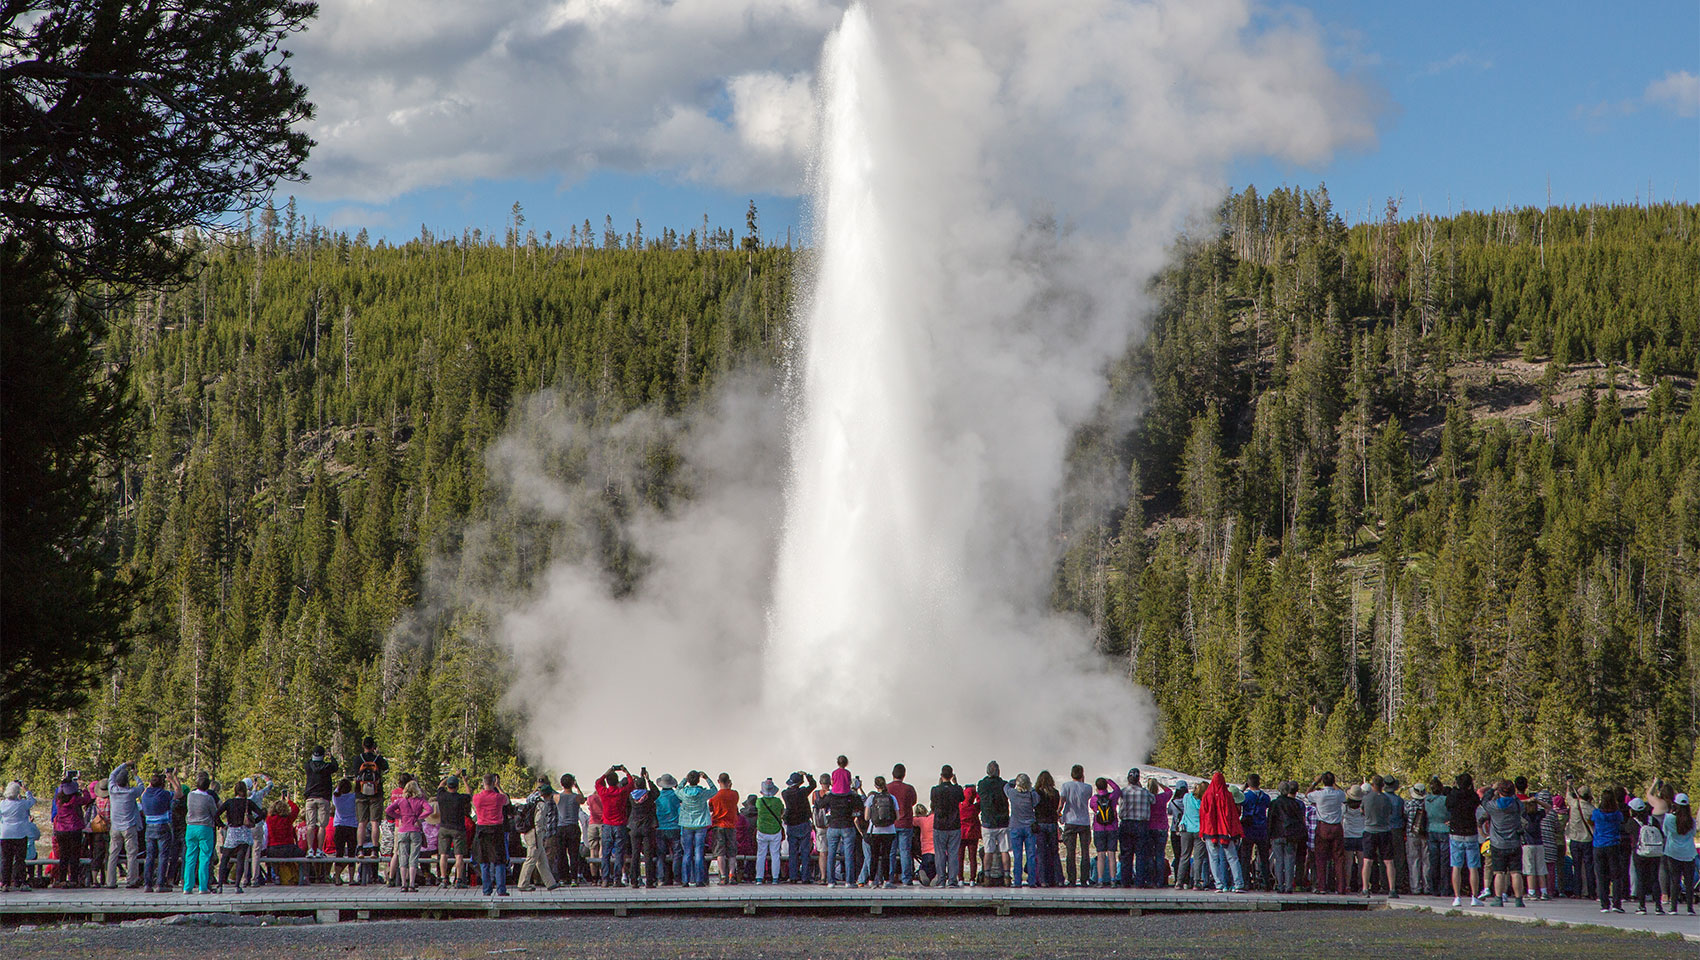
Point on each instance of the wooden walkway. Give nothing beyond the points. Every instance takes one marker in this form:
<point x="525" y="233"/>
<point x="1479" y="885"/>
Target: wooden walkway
<point x="329" y="904"/>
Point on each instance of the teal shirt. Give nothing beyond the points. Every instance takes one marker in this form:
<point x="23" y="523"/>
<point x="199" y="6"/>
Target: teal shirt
<point x="693" y="807"/>
<point x="1435" y="806"/>
<point x="1678" y="846"/>
<point x="667" y="810"/>
<point x="1189" y="812"/>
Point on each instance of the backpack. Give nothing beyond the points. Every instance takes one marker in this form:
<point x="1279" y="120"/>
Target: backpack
<point x="525" y="819"/>
<point x="366" y="779"/>
<point x="1651" y="840"/>
<point x="1104" y="812"/>
<point x="882" y="810"/>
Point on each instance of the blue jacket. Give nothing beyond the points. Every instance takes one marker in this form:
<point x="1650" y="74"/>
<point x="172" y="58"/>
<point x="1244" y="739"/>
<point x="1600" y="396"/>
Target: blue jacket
<point x="1254" y="815"/>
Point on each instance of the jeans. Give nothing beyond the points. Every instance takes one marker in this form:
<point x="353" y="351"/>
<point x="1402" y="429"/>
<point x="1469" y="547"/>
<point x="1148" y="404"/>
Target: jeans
<point x="1439" y="863"/>
<point x="1330" y="857"/>
<point x="198" y="857"/>
<point x="1076" y="835"/>
<point x="903" y="857"/>
<point x="767" y="856"/>
<point x="128" y="844"/>
<point x="1184" y="858"/>
<point x="1286" y="857"/>
<point x="947" y="853"/>
<point x="1582" y="864"/>
<point x="1225" y="859"/>
<point x="880" y="856"/>
<point x="1676" y="878"/>
<point x="801" y="850"/>
<point x="1401" y="875"/>
<point x="1254" y="852"/>
<point x="157" y="873"/>
<point x="839" y="841"/>
<point x="1608" y="874"/>
<point x="12" y="862"/>
<point x="694" y="867"/>
<point x="668" y="848"/>
<point x="1131" y="844"/>
<point x="644" y="859"/>
<point x="1049" y="871"/>
<point x="614" y="839"/>
<point x="1151" y="857"/>
<point x="1024" y="847"/>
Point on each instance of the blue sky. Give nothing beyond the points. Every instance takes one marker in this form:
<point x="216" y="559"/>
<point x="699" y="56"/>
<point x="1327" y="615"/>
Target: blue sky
<point x="1482" y="105"/>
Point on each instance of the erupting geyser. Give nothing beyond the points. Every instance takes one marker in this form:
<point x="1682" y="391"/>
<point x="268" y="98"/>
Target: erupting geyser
<point x="897" y="629"/>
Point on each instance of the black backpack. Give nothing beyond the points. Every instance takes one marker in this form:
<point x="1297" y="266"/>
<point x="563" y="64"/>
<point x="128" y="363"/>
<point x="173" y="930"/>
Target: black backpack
<point x="1104" y="812"/>
<point x="525" y="819"/>
<point x="883" y="810"/>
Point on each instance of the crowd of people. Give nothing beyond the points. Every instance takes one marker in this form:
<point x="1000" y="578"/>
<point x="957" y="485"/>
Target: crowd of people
<point x="1475" y="844"/>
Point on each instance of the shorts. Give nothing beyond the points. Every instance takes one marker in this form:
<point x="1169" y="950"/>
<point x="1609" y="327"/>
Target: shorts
<point x="1104" y="841"/>
<point x="368" y="809"/>
<point x="997" y="839"/>
<point x="725" y="841"/>
<point x="451" y="842"/>
<point x="1378" y="846"/>
<point x="1466" y="852"/>
<point x="317" y="813"/>
<point x="1506" y="859"/>
<point x="1534" y="860"/>
<point x="1354" y="844"/>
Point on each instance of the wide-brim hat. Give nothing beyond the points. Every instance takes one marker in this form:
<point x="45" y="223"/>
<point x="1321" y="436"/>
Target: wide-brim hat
<point x="769" y="788"/>
<point x="1356" y="793"/>
<point x="666" y="781"/>
<point x="1418" y="789"/>
<point x="100" y="788"/>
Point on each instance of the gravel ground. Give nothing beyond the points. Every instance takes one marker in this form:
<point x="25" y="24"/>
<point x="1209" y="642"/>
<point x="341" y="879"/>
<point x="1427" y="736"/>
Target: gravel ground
<point x="1192" y="935"/>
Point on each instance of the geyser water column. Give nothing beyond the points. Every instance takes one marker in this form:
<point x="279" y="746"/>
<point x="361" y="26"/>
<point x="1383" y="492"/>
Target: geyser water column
<point x="855" y="558"/>
<point x="892" y="635"/>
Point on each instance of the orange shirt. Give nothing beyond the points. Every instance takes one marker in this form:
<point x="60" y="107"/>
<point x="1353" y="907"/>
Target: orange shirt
<point x="926" y="827"/>
<point x="723" y="807"/>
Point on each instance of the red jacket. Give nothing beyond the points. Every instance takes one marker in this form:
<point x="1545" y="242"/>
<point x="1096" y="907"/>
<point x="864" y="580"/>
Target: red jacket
<point x="1218" y="815"/>
<point x="615" y="801"/>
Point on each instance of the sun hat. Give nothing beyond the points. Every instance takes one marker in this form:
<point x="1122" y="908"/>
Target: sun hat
<point x="666" y="781"/>
<point x="769" y="788"/>
<point x="1356" y="793"/>
<point x="1418" y="790"/>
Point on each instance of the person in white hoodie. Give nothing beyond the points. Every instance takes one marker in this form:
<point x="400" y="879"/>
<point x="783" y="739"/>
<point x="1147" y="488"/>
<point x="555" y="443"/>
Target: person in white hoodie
<point x="14" y="836"/>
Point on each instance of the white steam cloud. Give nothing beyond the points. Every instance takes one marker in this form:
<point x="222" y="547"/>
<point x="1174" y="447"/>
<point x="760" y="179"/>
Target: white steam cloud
<point x="892" y="601"/>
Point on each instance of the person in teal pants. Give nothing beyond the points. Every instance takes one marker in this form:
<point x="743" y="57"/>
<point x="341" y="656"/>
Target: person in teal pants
<point x="199" y="839"/>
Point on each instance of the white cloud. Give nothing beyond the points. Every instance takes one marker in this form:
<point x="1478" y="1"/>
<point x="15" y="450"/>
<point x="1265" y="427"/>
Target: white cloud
<point x="1679" y="90"/>
<point x="419" y="93"/>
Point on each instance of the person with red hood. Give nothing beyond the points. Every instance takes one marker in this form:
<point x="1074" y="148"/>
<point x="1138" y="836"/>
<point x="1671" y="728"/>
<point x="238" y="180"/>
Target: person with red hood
<point x="1219" y="827"/>
<point x="970" y="808"/>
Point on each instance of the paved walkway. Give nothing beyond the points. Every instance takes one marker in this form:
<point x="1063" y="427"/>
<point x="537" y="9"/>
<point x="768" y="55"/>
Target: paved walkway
<point x="1564" y="911"/>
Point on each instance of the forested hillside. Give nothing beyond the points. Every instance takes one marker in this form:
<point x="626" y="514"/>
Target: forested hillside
<point x="1412" y="495"/>
<point x="1416" y="496"/>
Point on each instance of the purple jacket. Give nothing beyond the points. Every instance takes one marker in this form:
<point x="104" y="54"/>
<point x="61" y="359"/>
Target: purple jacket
<point x="68" y="804"/>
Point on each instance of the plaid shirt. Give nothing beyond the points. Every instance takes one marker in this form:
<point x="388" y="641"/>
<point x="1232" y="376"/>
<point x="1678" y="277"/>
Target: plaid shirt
<point x="1413" y="812"/>
<point x="1135" y="804"/>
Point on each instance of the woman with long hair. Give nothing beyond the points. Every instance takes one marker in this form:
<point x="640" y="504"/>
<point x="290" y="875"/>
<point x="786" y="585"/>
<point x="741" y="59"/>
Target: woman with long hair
<point x="1608" y="849"/>
<point x="1219" y="826"/>
<point x="880" y="810"/>
<point x="1676" y="871"/>
<point x="1046" y="808"/>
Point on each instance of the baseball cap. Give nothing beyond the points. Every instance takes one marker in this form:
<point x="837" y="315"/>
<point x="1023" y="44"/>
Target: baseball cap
<point x="1637" y="804"/>
<point x="1681" y="798"/>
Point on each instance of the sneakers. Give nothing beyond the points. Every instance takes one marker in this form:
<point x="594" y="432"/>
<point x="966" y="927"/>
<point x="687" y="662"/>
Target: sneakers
<point x="1519" y="902"/>
<point x="1477" y="902"/>
<point x="1640" y="911"/>
<point x="1457" y="901"/>
<point x="1395" y="895"/>
<point x="1499" y="901"/>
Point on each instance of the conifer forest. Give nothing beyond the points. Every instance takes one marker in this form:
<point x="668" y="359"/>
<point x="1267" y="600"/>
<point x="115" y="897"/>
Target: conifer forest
<point x="1413" y="496"/>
